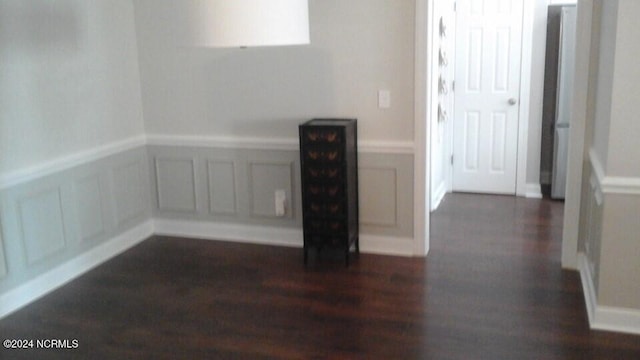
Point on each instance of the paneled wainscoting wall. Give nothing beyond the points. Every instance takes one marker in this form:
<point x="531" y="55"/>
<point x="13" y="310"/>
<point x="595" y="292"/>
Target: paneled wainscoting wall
<point x="221" y="193"/>
<point x="62" y="222"/>
<point x="51" y="221"/>
<point x="608" y="253"/>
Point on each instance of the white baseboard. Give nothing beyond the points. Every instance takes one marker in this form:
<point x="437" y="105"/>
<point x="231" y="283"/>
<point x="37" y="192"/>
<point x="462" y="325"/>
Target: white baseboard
<point x="276" y="236"/>
<point x="533" y="191"/>
<point x="438" y="195"/>
<point x="588" y="287"/>
<point x="602" y="317"/>
<point x="34" y="289"/>
<point x="252" y="234"/>
<point x="386" y="245"/>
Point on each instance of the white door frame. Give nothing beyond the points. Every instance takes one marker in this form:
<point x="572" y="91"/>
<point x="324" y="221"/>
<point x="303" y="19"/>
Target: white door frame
<point x="422" y="149"/>
<point x="577" y="140"/>
<point x="423" y="99"/>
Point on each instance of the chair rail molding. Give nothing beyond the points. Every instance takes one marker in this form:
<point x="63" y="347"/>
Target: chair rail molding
<point x="254" y="143"/>
<point x="68" y="161"/>
<point x="612" y="184"/>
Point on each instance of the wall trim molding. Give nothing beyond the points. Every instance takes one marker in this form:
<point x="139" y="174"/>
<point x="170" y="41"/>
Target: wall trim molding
<point x="612" y="184"/>
<point x="533" y="191"/>
<point x="271" y="235"/>
<point x="601" y="317"/>
<point x="218" y="231"/>
<point x="253" y="143"/>
<point x="387" y="245"/>
<point x="527" y="94"/>
<point x="224" y="142"/>
<point x="45" y="283"/>
<point x="588" y="288"/>
<point x="65" y="162"/>
<point x="68" y="161"/>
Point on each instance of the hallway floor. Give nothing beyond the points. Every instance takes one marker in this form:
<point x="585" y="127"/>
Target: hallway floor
<point x="491" y="288"/>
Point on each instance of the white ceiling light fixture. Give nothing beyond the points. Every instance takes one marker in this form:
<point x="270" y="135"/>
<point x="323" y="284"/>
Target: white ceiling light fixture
<point x="247" y="23"/>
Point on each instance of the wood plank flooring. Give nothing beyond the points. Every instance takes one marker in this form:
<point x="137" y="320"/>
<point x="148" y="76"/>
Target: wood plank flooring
<point x="491" y="288"/>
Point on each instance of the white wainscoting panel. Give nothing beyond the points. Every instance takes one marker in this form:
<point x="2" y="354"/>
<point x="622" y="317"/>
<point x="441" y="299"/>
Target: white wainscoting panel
<point x="42" y="224"/>
<point x="385" y="187"/>
<point x="176" y="182"/>
<point x="264" y="179"/>
<point x="89" y="207"/>
<point x="128" y="192"/>
<point x="378" y="195"/>
<point x="221" y="179"/>
<point x="55" y="227"/>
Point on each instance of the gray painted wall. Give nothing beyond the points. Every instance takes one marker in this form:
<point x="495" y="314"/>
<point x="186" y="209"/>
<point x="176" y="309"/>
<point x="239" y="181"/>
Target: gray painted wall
<point x="53" y="219"/>
<point x="357" y="47"/>
<point x="608" y="21"/>
<point x="625" y="126"/>
<point x="70" y="79"/>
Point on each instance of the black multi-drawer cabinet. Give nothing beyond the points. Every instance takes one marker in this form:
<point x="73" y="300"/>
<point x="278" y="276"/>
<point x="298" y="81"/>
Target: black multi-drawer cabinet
<point x="329" y="166"/>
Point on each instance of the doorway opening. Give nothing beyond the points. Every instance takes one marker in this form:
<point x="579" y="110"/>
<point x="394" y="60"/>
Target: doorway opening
<point x="440" y="104"/>
<point x="481" y="54"/>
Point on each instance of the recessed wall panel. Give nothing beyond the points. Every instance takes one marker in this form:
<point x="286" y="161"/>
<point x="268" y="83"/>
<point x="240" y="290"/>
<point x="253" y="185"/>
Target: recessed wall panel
<point x="89" y="207"/>
<point x="42" y="225"/>
<point x="176" y="184"/>
<point x="128" y="192"/>
<point x="264" y="179"/>
<point x="498" y="141"/>
<point x="471" y="140"/>
<point x="222" y="187"/>
<point x="474" y="60"/>
<point x="378" y="194"/>
<point x="501" y="61"/>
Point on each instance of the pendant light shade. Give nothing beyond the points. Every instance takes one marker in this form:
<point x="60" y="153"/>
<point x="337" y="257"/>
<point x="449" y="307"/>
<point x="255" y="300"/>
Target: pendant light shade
<point x="240" y="23"/>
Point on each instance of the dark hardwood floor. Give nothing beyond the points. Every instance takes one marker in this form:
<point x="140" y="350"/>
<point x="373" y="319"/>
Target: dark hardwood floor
<point x="491" y="288"/>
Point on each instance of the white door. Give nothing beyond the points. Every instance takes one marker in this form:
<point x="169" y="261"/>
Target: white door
<point x="487" y="86"/>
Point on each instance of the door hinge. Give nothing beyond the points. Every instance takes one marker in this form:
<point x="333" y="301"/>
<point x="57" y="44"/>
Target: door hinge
<point x="453" y="86"/>
<point x="455" y="6"/>
<point x="452" y="159"/>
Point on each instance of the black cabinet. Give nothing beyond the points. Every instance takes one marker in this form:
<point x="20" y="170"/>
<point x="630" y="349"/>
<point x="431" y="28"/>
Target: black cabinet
<point x="329" y="165"/>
